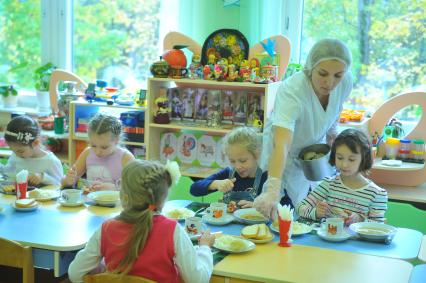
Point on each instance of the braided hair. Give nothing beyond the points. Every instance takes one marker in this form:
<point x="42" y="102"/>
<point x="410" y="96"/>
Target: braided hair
<point x="102" y="123"/>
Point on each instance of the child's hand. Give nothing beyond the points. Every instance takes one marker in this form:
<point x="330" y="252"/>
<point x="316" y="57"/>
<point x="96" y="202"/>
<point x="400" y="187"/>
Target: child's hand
<point x="206" y="239"/>
<point x="71" y="177"/>
<point x="353" y="217"/>
<point x="98" y="186"/>
<point x="322" y="210"/>
<point x="224" y="186"/>
<point x="35" y="179"/>
<point x="245" y="203"/>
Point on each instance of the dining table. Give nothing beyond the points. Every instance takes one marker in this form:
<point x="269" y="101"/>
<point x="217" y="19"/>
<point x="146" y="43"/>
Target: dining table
<point x="422" y="253"/>
<point x="418" y="274"/>
<point x="55" y="233"/>
<point x="405" y="244"/>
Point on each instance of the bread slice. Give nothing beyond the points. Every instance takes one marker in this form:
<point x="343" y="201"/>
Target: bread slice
<point x="25" y="203"/>
<point x="250" y="232"/>
<point x="263" y="232"/>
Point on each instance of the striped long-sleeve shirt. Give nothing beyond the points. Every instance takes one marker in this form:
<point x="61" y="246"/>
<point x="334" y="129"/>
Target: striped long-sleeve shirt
<point x="369" y="201"/>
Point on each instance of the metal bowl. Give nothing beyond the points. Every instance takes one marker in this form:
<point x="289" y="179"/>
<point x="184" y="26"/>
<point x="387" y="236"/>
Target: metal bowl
<point x="316" y="169"/>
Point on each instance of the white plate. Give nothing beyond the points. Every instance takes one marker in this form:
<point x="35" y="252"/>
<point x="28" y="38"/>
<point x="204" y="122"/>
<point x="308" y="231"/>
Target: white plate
<point x="25" y="209"/>
<point x="178" y="213"/>
<point x="323" y="235"/>
<point x="220" y="244"/>
<point x="51" y="194"/>
<point x="373" y="230"/>
<point x="240" y="213"/>
<point x="302" y="230"/>
<point x="107" y="198"/>
<point x="70" y="204"/>
<point x="226" y="219"/>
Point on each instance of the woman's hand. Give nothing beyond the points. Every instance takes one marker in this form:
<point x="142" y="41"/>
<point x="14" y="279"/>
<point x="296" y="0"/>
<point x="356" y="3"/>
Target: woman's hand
<point x="71" y="177"/>
<point x="206" y="239"/>
<point x="322" y="210"/>
<point x="245" y="203"/>
<point x="266" y="202"/>
<point x="223" y="186"/>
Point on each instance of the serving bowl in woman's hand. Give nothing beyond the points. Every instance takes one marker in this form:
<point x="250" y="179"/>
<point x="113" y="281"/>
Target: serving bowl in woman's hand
<point x="314" y="161"/>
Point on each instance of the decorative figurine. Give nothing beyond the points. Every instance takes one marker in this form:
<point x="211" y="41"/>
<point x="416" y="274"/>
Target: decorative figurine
<point x="195" y="67"/>
<point x="245" y="71"/>
<point x="160" y="69"/>
<point x="162" y="114"/>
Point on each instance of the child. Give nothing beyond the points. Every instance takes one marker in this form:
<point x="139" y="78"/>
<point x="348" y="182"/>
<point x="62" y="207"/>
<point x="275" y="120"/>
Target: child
<point x="103" y="160"/>
<point x="244" y="181"/>
<point x="349" y="195"/>
<point x="142" y="242"/>
<point x="23" y="137"/>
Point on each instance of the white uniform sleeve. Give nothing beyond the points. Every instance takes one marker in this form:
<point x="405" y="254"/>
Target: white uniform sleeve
<point x="195" y="264"/>
<point x="287" y="108"/>
<point x="87" y="259"/>
<point x="55" y="173"/>
<point x="10" y="165"/>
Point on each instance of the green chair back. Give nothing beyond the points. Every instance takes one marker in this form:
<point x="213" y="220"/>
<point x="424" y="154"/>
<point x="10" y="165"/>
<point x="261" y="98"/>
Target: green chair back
<point x="181" y="190"/>
<point x="213" y="197"/>
<point x="406" y="216"/>
<point x="3" y="161"/>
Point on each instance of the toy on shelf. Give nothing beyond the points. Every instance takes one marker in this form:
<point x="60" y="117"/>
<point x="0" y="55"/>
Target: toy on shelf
<point x="162" y="114"/>
<point x="349" y="115"/>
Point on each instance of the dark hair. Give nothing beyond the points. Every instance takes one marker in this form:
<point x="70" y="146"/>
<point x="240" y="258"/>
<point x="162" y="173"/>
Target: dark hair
<point x="355" y="140"/>
<point x="102" y="123"/>
<point x="22" y="129"/>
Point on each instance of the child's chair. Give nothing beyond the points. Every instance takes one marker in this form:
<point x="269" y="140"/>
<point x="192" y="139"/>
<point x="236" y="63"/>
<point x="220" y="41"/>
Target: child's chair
<point x="406" y="216"/>
<point x="181" y="190"/>
<point x="14" y="254"/>
<point x="114" y="278"/>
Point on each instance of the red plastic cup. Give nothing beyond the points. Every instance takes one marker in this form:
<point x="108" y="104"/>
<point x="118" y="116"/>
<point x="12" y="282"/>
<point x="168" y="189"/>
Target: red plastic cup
<point x="21" y="190"/>
<point x="284" y="229"/>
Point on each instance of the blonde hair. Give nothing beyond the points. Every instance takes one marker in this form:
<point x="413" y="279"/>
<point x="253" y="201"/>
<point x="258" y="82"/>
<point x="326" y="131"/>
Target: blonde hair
<point x="245" y="137"/>
<point x="146" y="184"/>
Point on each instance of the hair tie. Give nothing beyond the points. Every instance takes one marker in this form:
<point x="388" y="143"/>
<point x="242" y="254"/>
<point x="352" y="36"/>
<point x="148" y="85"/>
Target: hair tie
<point x="152" y="207"/>
<point x="23" y="137"/>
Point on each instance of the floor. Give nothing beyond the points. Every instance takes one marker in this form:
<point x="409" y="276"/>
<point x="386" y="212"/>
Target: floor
<point x="14" y="275"/>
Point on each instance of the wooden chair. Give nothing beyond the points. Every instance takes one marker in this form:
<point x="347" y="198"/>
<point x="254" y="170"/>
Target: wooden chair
<point x="14" y="254"/>
<point x="114" y="278"/>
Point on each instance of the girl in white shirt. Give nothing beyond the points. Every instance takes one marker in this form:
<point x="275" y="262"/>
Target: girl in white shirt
<point x="142" y="242"/>
<point x="23" y="137"/>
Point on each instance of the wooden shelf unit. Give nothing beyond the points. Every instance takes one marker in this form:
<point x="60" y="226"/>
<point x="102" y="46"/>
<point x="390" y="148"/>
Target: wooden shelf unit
<point x="153" y="130"/>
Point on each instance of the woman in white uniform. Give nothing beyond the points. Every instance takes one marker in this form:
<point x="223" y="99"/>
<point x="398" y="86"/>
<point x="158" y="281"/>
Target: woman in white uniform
<point x="306" y="111"/>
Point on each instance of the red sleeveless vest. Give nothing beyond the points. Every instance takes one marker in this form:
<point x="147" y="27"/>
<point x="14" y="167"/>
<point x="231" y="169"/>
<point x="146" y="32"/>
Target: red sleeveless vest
<point x="155" y="261"/>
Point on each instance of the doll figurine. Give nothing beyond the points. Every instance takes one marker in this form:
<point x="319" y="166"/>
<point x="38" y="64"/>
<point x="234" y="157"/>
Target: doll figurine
<point x="162" y="114"/>
<point x="245" y="71"/>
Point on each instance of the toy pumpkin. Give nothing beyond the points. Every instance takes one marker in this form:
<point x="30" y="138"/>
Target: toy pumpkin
<point x="175" y="56"/>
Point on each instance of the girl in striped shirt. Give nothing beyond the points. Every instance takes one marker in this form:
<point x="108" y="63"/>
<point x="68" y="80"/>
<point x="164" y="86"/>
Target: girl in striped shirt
<point x="350" y="194"/>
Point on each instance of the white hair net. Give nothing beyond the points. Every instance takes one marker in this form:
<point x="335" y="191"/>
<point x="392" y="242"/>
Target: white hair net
<point x="327" y="49"/>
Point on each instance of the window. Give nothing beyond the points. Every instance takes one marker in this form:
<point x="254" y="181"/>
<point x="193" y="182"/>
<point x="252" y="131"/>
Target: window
<point x="115" y="40"/>
<point x="20" y="45"/>
<point x="387" y="42"/>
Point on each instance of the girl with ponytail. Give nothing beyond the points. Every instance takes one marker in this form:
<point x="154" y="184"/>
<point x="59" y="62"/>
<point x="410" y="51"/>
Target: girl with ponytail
<point x="142" y="242"/>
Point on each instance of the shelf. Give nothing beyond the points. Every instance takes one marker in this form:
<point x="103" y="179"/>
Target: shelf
<point x="84" y="137"/>
<point x="197" y="171"/>
<point x="214" y="84"/>
<point x="103" y="104"/>
<point x="175" y="126"/>
<point x="406" y="166"/>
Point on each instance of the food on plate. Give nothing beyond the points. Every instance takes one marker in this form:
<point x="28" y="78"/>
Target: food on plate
<point x="232" y="206"/>
<point x="373" y="231"/>
<point x="311" y="155"/>
<point x="25" y="203"/>
<point x="254" y="215"/>
<point x="231" y="243"/>
<point x="297" y="227"/>
<point x="179" y="213"/>
<point x="106" y="198"/>
<point x="40" y="194"/>
<point x="256" y="232"/>
<point x="9" y="188"/>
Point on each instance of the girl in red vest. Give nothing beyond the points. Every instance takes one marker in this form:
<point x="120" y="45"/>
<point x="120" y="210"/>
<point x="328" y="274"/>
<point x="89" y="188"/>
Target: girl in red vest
<point x="142" y="242"/>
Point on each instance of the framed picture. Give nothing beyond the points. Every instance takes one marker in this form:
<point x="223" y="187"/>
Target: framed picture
<point x="240" y="109"/>
<point x="188" y="101"/>
<point x="255" y="108"/>
<point x="213" y="100"/>
<point x="175" y="100"/>
<point x="228" y="105"/>
<point x="201" y="105"/>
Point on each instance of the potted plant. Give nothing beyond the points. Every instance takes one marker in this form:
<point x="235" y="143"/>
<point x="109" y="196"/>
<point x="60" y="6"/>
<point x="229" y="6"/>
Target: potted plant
<point x="42" y="82"/>
<point x="9" y="96"/>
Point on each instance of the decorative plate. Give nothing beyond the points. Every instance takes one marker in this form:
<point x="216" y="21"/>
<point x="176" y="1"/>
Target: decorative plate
<point x="225" y="43"/>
